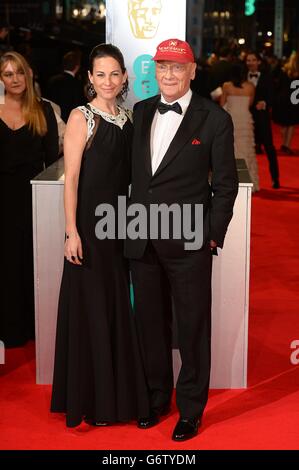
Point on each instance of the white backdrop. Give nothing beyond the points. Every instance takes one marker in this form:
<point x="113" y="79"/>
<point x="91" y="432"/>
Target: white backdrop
<point x="137" y="27"/>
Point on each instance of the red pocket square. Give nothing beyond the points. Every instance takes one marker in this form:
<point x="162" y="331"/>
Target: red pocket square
<point x="196" y="142"/>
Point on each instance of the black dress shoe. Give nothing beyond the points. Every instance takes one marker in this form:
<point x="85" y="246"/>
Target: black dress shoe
<point x="275" y="184"/>
<point x="185" y="429"/>
<point x="153" y="418"/>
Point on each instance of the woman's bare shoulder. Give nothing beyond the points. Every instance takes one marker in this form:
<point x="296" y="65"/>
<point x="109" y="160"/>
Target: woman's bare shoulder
<point x="249" y="86"/>
<point x="77" y="116"/>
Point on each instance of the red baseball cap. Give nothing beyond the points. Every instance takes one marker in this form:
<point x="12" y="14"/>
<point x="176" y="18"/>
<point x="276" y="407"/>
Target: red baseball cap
<point x="174" y="50"/>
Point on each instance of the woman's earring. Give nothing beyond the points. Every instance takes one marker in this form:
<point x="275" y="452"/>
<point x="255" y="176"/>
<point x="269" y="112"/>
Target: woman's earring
<point x="91" y="91"/>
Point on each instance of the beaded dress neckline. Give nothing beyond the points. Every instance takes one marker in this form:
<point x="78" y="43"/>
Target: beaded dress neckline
<point x="120" y="119"/>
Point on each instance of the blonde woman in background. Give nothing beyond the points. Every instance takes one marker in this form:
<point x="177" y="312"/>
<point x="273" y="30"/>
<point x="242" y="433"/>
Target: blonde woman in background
<point x="28" y="143"/>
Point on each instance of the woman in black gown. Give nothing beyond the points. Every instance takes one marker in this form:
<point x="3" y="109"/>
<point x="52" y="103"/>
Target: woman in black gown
<point x="285" y="113"/>
<point x="98" y="375"/>
<point x="28" y="142"/>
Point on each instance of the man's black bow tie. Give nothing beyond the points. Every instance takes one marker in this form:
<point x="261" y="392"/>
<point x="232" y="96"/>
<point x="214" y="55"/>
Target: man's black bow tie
<point x="164" y="107"/>
<point x="252" y="75"/>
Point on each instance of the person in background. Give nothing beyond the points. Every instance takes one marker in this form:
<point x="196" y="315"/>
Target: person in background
<point x="200" y="84"/>
<point x="260" y="110"/>
<point x="28" y="143"/>
<point x="220" y="73"/>
<point x="4" y="36"/>
<point x="285" y="113"/>
<point x="65" y="89"/>
<point x="61" y="126"/>
<point x="237" y="98"/>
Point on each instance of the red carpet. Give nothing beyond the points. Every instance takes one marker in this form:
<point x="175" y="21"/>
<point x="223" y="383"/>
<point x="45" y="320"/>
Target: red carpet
<point x="265" y="416"/>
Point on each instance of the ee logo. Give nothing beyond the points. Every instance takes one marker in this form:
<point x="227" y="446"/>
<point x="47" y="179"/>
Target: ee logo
<point x="249" y="7"/>
<point x="145" y="84"/>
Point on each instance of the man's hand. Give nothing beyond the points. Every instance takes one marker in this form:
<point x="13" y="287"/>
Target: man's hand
<point x="213" y="244"/>
<point x="260" y="105"/>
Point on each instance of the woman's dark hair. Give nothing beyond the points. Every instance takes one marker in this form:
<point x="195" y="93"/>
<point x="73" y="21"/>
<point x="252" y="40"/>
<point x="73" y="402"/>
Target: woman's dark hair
<point x="108" y="50"/>
<point x="238" y="75"/>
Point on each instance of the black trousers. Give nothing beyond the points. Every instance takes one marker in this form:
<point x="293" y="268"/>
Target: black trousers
<point x="263" y="136"/>
<point x="187" y="279"/>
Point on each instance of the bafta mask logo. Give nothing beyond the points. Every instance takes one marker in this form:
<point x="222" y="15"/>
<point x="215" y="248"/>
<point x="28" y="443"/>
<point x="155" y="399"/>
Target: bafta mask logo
<point x="144" y="16"/>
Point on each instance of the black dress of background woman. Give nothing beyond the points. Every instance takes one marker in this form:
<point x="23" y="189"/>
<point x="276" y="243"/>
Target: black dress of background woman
<point x="28" y="142"/>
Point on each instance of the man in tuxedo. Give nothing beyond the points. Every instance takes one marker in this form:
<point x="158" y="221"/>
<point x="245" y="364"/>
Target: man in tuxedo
<point x="65" y="89"/>
<point x="260" y="112"/>
<point x="182" y="153"/>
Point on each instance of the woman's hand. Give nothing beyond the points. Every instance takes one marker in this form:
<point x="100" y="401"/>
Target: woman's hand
<point x="73" y="248"/>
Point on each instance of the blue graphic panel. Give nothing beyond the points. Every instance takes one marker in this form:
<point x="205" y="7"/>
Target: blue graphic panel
<point x="145" y="84"/>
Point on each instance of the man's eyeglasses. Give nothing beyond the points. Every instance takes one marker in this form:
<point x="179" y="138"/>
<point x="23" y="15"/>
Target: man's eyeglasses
<point x="174" y="68"/>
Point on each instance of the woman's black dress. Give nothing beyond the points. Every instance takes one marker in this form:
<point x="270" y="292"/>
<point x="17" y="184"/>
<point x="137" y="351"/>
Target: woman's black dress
<point x="98" y="373"/>
<point x="22" y="156"/>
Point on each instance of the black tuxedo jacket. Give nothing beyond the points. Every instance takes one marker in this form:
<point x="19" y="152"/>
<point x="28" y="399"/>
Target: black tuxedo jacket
<point x="263" y="91"/>
<point x="198" y="167"/>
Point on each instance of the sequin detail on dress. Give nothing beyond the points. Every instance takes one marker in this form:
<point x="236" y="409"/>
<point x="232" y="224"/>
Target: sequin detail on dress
<point x="119" y="120"/>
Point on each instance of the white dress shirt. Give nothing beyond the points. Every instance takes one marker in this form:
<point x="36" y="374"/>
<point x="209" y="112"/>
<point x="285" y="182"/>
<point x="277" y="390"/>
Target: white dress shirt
<point x="164" y="127"/>
<point x="253" y="80"/>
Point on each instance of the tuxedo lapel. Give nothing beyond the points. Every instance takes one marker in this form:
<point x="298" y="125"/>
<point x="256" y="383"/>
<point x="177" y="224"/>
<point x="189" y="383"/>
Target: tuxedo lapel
<point x="260" y="91"/>
<point x="192" y="121"/>
<point x="148" y="116"/>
